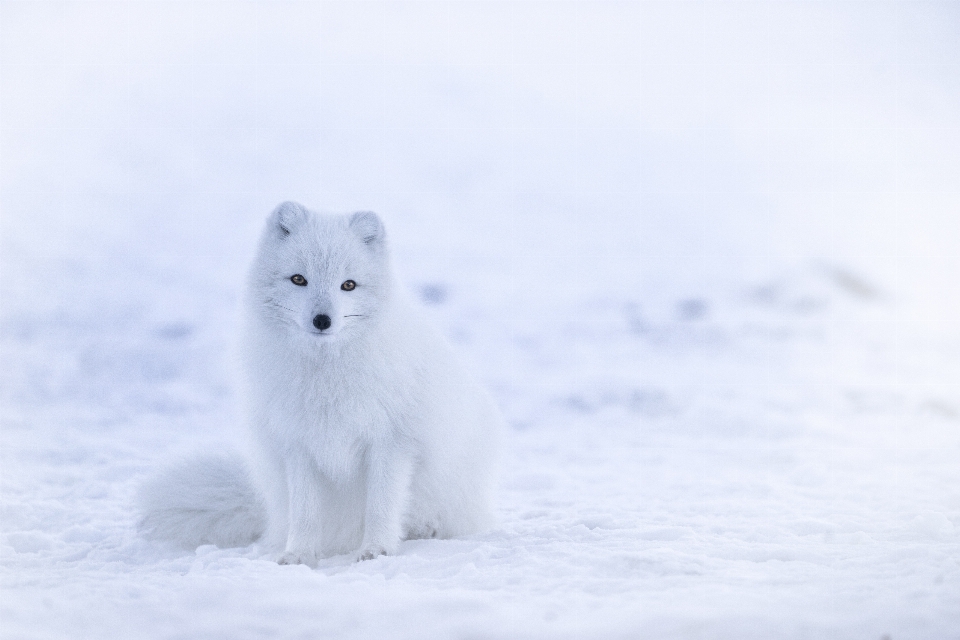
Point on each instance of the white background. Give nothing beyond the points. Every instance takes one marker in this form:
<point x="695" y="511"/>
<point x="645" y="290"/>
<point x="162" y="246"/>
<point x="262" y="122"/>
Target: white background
<point x="703" y="254"/>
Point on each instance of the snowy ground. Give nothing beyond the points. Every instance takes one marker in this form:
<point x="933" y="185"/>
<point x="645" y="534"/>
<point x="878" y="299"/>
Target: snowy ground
<point x="704" y="255"/>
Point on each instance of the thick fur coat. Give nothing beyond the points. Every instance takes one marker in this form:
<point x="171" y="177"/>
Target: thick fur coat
<point x="367" y="430"/>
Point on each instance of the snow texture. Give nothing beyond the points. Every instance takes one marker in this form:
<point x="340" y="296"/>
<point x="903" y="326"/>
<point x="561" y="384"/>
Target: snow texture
<point x="704" y="255"/>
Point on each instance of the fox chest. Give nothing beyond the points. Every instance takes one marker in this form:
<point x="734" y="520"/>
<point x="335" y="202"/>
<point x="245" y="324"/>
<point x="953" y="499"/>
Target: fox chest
<point x="338" y="423"/>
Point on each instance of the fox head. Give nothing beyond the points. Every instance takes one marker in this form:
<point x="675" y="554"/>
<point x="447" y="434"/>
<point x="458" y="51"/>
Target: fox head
<point x="321" y="276"/>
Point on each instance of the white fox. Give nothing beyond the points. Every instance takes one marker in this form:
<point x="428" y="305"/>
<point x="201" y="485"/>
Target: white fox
<point x="367" y="430"/>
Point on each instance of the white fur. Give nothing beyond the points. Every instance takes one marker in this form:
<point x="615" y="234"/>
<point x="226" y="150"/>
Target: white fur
<point x="204" y="500"/>
<point x="368" y="432"/>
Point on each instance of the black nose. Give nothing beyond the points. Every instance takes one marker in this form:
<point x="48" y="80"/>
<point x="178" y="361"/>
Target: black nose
<point x="321" y="322"/>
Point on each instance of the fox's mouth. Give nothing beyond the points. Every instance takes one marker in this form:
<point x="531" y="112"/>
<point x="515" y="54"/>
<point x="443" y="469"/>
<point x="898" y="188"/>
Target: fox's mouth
<point x="328" y="332"/>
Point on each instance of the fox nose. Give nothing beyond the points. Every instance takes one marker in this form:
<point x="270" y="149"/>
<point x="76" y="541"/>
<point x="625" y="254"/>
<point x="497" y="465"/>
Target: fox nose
<point x="321" y="322"/>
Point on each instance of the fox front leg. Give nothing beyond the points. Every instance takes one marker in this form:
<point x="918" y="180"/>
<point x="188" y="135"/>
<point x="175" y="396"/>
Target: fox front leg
<point x="388" y="492"/>
<point x="304" y="510"/>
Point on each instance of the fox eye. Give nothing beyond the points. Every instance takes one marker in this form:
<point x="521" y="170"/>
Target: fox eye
<point x="349" y="285"/>
<point x="298" y="280"/>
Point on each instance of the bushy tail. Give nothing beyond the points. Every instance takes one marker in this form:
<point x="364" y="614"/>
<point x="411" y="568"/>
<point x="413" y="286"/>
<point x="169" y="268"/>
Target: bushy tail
<point x="203" y="500"/>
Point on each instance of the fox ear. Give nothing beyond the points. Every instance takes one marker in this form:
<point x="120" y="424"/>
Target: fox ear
<point x="287" y="216"/>
<point x="368" y="226"/>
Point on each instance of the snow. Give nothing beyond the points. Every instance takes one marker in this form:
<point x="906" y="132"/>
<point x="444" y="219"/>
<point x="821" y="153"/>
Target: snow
<point x="705" y="255"/>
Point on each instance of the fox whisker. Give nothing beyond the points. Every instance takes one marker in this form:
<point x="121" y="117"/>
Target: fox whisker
<point x="277" y="304"/>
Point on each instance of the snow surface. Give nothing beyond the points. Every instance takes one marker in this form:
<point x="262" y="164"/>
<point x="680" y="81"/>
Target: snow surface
<point x="704" y="254"/>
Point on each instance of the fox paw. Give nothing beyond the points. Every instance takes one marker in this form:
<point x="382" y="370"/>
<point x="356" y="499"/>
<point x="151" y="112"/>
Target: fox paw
<point x="370" y="552"/>
<point x="423" y="532"/>
<point x="293" y="557"/>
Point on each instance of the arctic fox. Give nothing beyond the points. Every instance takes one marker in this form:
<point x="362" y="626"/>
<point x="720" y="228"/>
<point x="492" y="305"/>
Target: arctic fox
<point x="366" y="429"/>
